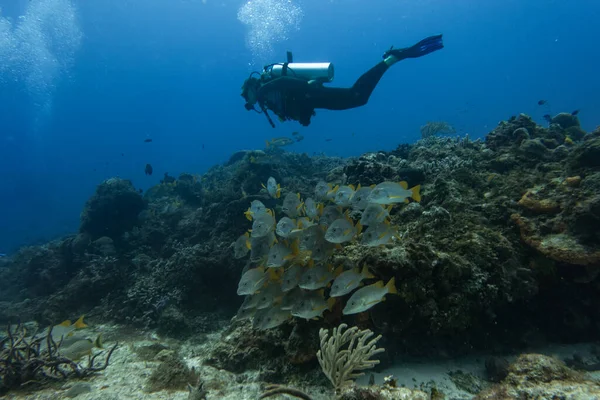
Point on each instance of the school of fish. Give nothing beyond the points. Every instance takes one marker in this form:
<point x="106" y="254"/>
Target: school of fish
<point x="288" y="274"/>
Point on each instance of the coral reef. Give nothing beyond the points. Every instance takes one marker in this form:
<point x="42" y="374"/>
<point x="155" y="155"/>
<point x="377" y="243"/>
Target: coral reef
<point x="502" y="250"/>
<point x="539" y="376"/>
<point x="113" y="210"/>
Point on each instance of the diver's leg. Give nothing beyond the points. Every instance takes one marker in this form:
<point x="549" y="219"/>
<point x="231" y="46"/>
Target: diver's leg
<point x="358" y="95"/>
<point x="332" y="98"/>
<point x="425" y="46"/>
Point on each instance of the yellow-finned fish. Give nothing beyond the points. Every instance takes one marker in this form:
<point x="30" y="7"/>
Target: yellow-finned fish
<point x="366" y="297"/>
<point x="392" y="193"/>
<point x="273" y="188"/>
<point x="81" y="348"/>
<point x="349" y="280"/>
<point x="279" y="142"/>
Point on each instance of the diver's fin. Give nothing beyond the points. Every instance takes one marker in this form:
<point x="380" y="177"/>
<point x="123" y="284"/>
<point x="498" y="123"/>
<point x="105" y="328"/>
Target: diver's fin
<point x="424" y="47"/>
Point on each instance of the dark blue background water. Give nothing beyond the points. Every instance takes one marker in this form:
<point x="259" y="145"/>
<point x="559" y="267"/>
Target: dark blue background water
<point x="171" y="70"/>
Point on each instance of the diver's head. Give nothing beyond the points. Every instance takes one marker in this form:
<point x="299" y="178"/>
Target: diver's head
<point x="250" y="92"/>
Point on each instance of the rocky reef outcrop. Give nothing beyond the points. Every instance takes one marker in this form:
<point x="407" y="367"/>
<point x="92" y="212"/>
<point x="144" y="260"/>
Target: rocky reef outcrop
<point x="503" y="250"/>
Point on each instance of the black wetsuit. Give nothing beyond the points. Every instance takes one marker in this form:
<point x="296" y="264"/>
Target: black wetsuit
<point x="294" y="98"/>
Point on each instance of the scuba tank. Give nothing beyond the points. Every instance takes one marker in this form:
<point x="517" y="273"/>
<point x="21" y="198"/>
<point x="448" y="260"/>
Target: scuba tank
<point x="320" y="71"/>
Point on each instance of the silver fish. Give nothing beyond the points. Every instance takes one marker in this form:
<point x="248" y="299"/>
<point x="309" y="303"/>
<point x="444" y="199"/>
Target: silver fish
<point x="349" y="280"/>
<point x="251" y="281"/>
<point x="260" y="247"/>
<point x="321" y="190"/>
<point x="392" y="193"/>
<point x="366" y="297"/>
<point x="285" y="226"/>
<point x="291" y="277"/>
<point x="242" y="246"/>
<point x="269" y="296"/>
<point x="292" y="205"/>
<point x="374" y="213"/>
<point x="256" y="208"/>
<point x="312" y="209"/>
<point x="379" y="234"/>
<point x="329" y="214"/>
<point x="312" y="305"/>
<point x="270" y="318"/>
<point x="341" y="231"/>
<point x="263" y="225"/>
<point x="278" y="255"/>
<point x="343" y="196"/>
<point x="273" y="188"/>
<point x="360" y="199"/>
<point x="81" y="348"/>
<point x="316" y="277"/>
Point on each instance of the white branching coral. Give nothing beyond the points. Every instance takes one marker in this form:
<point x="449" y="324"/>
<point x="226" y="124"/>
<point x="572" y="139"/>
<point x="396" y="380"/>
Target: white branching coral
<point x="340" y="363"/>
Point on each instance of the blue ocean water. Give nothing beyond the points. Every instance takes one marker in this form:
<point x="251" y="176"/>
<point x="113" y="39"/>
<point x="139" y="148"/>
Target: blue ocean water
<point x="83" y="84"/>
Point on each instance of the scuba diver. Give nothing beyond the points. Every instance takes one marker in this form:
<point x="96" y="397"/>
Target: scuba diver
<point x="294" y="90"/>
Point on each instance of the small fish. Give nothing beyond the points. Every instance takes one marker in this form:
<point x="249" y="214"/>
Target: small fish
<point x="321" y="190"/>
<point x="291" y="277"/>
<point x="81" y="348"/>
<point x="349" y="280"/>
<point x="256" y="208"/>
<point x="295" y="133"/>
<point x="65" y="329"/>
<point x="312" y="305"/>
<point x="548" y="118"/>
<point x="148" y="170"/>
<point x="312" y="209"/>
<point x="317" y="277"/>
<point x="252" y="281"/>
<point x="542" y="102"/>
<point x="343" y="196"/>
<point x="270" y="318"/>
<point x="262" y="225"/>
<point x="374" y="213"/>
<point x="310" y="236"/>
<point x="379" y="234"/>
<point x="360" y="199"/>
<point x="279" y="142"/>
<point x="279" y="255"/>
<point x="2" y="255"/>
<point x="329" y="214"/>
<point x="260" y="246"/>
<point x="250" y="302"/>
<point x="574" y="113"/>
<point x="285" y="226"/>
<point x="290" y="298"/>
<point x="328" y="140"/>
<point x="244" y="313"/>
<point x="299" y="138"/>
<point x="273" y="188"/>
<point x="366" y="297"/>
<point x="392" y="192"/>
<point x="322" y="250"/>
<point x="268" y="296"/>
<point x="292" y="205"/>
<point x="242" y="246"/>
<point x="147" y="140"/>
<point x="341" y="231"/>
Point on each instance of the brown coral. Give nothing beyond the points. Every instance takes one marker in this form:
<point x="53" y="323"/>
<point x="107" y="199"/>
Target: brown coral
<point x="559" y="247"/>
<point x="538" y="206"/>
